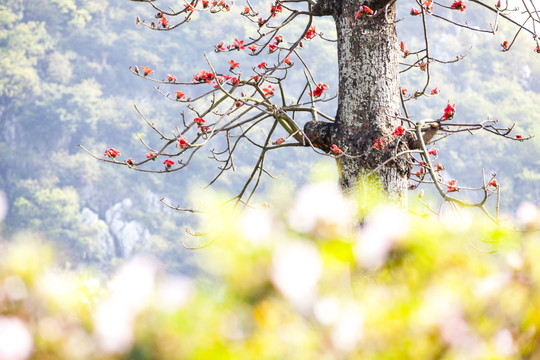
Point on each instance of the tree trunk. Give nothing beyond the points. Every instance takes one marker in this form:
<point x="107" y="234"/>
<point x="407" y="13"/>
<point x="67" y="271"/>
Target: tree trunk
<point x="369" y="100"/>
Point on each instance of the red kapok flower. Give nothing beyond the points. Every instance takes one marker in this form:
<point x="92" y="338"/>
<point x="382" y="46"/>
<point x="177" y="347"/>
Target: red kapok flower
<point x="433" y="151"/>
<point x="458" y="5"/>
<point x="246" y="11"/>
<point x="272" y="47"/>
<point x="146" y="70"/>
<point x="493" y="183"/>
<point x="278" y="141"/>
<point x="379" y="144"/>
<point x="415" y="12"/>
<point x="439" y="167"/>
<point x="151" y="155"/>
<point x="404" y="49"/>
<point x="238" y="44"/>
<point x="279" y="38"/>
<point x="276" y="9"/>
<point x="168" y="163"/>
<point x="435" y="91"/>
<point x="252" y="47"/>
<point x="319" y="89"/>
<point x="268" y="91"/>
<point x="504" y="45"/>
<point x="112" y="153"/>
<point x="364" y="10"/>
<point x="399" y="131"/>
<point x="451" y="186"/>
<point x="519" y="137"/>
<point x="262" y="65"/>
<point x="171" y="78"/>
<point x="335" y="149"/>
<point x="130" y="162"/>
<point x="233" y="64"/>
<point x="449" y="112"/>
<point x="537" y="49"/>
<point x="428" y="5"/>
<point x="311" y="33"/>
<point x="205" y="4"/>
<point x="199" y="121"/>
<point x="220" y="46"/>
<point x="163" y="21"/>
<point x="404" y="91"/>
<point x="180" y="95"/>
<point x="288" y="61"/>
<point x="182" y="142"/>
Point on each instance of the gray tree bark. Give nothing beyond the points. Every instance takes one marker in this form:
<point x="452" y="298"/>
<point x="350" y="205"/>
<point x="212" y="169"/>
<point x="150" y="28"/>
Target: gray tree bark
<point x="369" y="99"/>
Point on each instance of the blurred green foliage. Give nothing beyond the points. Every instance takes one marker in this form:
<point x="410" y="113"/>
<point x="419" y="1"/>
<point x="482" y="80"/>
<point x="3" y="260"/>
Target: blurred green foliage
<point x="398" y="287"/>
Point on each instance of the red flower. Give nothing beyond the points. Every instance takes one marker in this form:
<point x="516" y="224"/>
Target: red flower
<point x="199" y="121"/>
<point x="498" y="4"/>
<point x="182" y="142"/>
<point x="458" y="5"/>
<point x="168" y="163"/>
<point x="404" y="49"/>
<point x="269" y="91"/>
<point x="238" y="44"/>
<point x="262" y="65"/>
<point x="272" y="47"/>
<point x="428" y="5"/>
<point x="319" y="89"/>
<point x="364" y="10"/>
<point x="220" y="46"/>
<point x="279" y="38"/>
<point x="147" y="71"/>
<point x="537" y="49"/>
<point x="180" y="95"/>
<point x="205" y="4"/>
<point x="519" y="137"/>
<point x="335" y="149"/>
<point x="379" y="144"/>
<point x="112" y="153"/>
<point x="433" y="151"/>
<point x="151" y="154"/>
<point x="252" y="47"/>
<point x="419" y="172"/>
<point x="311" y="33"/>
<point x="275" y="9"/>
<point x="288" y="61"/>
<point x="449" y="112"/>
<point x="239" y="103"/>
<point x="399" y="131"/>
<point x="493" y="183"/>
<point x="278" y="141"/>
<point x="246" y="11"/>
<point x="233" y="65"/>
<point x="130" y="162"/>
<point x="171" y="78"/>
<point x="415" y="12"/>
<point x="451" y="186"/>
<point x="435" y="91"/>
<point x="504" y="45"/>
<point x="261" y="22"/>
<point x="163" y="21"/>
<point x="404" y="91"/>
<point x="439" y="167"/>
<point x="422" y="65"/>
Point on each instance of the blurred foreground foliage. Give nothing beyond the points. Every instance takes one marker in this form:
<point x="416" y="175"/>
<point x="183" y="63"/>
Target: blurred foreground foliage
<point x="297" y="281"/>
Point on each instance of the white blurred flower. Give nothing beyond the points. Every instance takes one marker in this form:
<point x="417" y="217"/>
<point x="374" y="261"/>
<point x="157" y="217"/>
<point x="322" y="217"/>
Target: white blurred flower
<point x="256" y="224"/>
<point x="321" y="209"/>
<point x="326" y="310"/>
<point x="173" y="293"/>
<point x="133" y="284"/>
<point x="382" y="230"/>
<point x="15" y="339"/>
<point x="113" y="326"/>
<point x="528" y="214"/>
<point x="15" y="288"/>
<point x="348" y="329"/>
<point x="504" y="343"/>
<point x="296" y="269"/>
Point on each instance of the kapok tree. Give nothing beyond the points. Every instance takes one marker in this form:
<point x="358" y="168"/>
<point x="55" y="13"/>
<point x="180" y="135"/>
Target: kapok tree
<point x="371" y="134"/>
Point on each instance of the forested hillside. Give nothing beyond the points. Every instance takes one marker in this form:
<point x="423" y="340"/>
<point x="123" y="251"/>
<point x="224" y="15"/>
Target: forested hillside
<point x="65" y="81"/>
